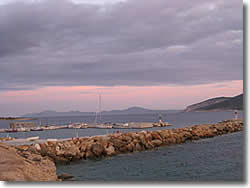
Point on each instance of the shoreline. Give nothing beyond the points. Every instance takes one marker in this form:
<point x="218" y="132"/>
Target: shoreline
<point x="98" y="147"/>
<point x="15" y="119"/>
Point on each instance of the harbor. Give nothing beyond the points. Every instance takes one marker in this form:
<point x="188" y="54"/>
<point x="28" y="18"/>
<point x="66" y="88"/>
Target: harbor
<point x="30" y="126"/>
<point x="98" y="123"/>
<point x="73" y="143"/>
<point x="97" y="147"/>
<point x="67" y="127"/>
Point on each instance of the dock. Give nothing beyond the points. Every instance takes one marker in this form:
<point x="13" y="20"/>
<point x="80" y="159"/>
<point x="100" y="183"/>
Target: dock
<point x="129" y="125"/>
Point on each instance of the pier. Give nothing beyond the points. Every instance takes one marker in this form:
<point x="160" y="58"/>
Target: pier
<point x="130" y="125"/>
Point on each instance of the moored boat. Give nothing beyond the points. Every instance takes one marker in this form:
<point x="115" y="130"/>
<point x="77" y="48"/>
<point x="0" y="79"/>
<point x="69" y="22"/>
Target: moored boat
<point x="84" y="126"/>
<point x="22" y="129"/>
<point x="11" y="130"/>
<point x="103" y="126"/>
<point x="77" y="125"/>
<point x="36" y="129"/>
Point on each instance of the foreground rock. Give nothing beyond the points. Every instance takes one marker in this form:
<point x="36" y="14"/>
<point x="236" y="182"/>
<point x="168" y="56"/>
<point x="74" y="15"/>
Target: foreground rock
<point x="23" y="165"/>
<point x="114" y="144"/>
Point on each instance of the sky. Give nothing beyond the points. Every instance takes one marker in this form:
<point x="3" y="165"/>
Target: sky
<point x="162" y="54"/>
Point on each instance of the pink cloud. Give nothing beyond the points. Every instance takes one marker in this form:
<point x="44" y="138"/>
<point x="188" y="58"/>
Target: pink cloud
<point x="85" y="98"/>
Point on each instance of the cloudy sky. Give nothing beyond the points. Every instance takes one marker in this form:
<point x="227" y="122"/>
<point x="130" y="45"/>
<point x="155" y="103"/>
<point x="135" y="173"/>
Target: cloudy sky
<point x="161" y="54"/>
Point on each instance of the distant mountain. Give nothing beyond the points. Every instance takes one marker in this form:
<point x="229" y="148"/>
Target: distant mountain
<point x="132" y="110"/>
<point x="137" y="110"/>
<point x="217" y="104"/>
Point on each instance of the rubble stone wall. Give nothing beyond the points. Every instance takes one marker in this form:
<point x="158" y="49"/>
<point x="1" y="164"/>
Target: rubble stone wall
<point x="114" y="144"/>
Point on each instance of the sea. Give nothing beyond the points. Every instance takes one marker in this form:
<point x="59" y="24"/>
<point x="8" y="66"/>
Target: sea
<point x="217" y="159"/>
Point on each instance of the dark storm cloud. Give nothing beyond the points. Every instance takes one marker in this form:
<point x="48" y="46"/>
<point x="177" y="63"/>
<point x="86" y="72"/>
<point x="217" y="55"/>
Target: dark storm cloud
<point x="138" y="42"/>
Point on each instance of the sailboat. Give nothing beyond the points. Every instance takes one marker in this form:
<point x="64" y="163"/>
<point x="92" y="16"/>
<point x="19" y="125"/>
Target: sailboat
<point x="98" y="118"/>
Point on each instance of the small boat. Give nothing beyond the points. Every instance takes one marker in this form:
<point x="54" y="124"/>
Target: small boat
<point x="32" y="138"/>
<point x="103" y="126"/>
<point x="22" y="129"/>
<point x="36" y="129"/>
<point x="162" y="124"/>
<point x="11" y="130"/>
<point x="84" y="126"/>
<point x="75" y="125"/>
<point x="120" y="126"/>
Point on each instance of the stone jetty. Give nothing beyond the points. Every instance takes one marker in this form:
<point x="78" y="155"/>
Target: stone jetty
<point x="36" y="162"/>
<point x="109" y="145"/>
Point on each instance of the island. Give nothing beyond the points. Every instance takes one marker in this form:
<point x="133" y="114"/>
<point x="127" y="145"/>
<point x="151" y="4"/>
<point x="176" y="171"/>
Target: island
<point x="218" y="104"/>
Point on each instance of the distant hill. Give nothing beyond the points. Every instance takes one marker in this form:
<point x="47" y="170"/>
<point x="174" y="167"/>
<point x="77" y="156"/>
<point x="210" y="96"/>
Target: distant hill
<point x="131" y="110"/>
<point x="217" y="104"/>
<point x="137" y="110"/>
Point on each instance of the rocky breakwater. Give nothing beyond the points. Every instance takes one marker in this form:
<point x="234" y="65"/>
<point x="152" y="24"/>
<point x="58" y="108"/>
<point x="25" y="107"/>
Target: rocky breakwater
<point x="23" y="163"/>
<point x="103" y="146"/>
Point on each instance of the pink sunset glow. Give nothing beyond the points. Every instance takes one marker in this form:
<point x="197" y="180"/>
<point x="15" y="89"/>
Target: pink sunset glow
<point x="155" y="54"/>
<point x="85" y="98"/>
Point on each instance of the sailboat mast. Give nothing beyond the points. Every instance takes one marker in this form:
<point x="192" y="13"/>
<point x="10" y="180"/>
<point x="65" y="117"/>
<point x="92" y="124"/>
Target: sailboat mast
<point x="100" y="107"/>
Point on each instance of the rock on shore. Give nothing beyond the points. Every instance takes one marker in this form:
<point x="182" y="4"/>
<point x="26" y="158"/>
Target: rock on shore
<point x="24" y="165"/>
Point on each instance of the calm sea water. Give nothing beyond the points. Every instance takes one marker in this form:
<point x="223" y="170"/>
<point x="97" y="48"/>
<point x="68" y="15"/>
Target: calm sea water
<point x="218" y="159"/>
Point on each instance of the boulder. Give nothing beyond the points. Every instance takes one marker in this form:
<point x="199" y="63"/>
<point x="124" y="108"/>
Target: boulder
<point x="117" y="143"/>
<point x="43" y="149"/>
<point x="89" y="155"/>
<point x="83" y="147"/>
<point x="38" y="148"/>
<point x="171" y="140"/>
<point x="71" y="152"/>
<point x="22" y="147"/>
<point x="123" y="149"/>
<point x="97" y="149"/>
<point x="142" y="139"/>
<point x="138" y="147"/>
<point x="164" y="134"/>
<point x="148" y="137"/>
<point x="130" y="147"/>
<point x="127" y="139"/>
<point x="110" y="150"/>
<point x="156" y="143"/>
<point x="156" y="135"/>
<point x="133" y="135"/>
<point x="60" y="152"/>
<point x="149" y="145"/>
